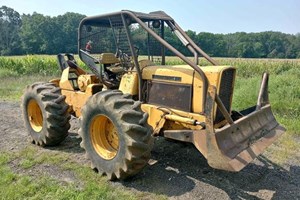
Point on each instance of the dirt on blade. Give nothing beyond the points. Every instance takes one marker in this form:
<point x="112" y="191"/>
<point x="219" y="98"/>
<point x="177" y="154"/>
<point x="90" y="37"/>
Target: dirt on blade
<point x="176" y="170"/>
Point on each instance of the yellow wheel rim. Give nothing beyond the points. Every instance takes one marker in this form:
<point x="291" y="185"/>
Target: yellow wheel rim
<point x="35" y="115"/>
<point x="104" y="137"/>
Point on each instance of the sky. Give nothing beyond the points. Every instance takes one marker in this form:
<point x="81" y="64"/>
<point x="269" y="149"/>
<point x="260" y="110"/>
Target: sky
<point x="215" y="16"/>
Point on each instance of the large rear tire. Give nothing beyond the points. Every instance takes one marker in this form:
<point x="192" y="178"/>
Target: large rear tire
<point x="115" y="134"/>
<point x="45" y="114"/>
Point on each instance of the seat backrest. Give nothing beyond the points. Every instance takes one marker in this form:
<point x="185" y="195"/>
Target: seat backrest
<point x="108" y="58"/>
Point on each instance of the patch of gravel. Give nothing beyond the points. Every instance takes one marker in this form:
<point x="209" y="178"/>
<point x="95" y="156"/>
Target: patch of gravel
<point x="176" y="170"/>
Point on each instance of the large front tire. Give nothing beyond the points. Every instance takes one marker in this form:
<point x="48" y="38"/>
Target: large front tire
<point x="45" y="114"/>
<point x="115" y="134"/>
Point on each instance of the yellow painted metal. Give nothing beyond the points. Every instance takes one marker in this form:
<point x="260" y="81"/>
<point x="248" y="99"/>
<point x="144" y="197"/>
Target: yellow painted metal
<point x="175" y="117"/>
<point x="76" y="99"/>
<point x="145" y="63"/>
<point x="157" y="118"/>
<point x="185" y="72"/>
<point x="173" y="125"/>
<point x="187" y="75"/>
<point x="129" y="83"/>
<point x="35" y="116"/>
<point x="86" y="79"/>
<point x="116" y="68"/>
<point x="108" y="58"/>
<point x="65" y="83"/>
<point x="55" y="81"/>
<point x="213" y="74"/>
<point x="104" y="137"/>
<point x="180" y="119"/>
<point x="185" y="123"/>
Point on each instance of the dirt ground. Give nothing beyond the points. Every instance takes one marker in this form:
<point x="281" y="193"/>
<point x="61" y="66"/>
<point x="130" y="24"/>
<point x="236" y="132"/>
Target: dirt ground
<point x="176" y="170"/>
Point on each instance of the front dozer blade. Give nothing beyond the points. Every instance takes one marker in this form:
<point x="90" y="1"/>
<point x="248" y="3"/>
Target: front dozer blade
<point x="236" y="144"/>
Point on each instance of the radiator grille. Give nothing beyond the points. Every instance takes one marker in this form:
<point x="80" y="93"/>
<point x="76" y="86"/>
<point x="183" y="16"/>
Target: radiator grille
<point x="172" y="95"/>
<point x="225" y="92"/>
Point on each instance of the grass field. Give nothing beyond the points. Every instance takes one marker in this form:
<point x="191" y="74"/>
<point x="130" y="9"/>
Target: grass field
<point x="88" y="186"/>
<point x="17" y="72"/>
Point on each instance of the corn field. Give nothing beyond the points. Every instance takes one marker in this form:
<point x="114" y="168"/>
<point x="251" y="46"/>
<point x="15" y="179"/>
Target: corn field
<point x="29" y="65"/>
<point x="47" y="65"/>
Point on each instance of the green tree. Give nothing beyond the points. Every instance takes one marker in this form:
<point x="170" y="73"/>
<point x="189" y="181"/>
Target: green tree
<point x="297" y="45"/>
<point x="10" y="23"/>
<point x="213" y="44"/>
<point x="34" y="33"/>
<point x="50" y="35"/>
<point x="68" y="23"/>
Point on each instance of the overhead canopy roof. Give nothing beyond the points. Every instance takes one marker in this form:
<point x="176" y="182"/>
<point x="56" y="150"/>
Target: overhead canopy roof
<point x="104" y="19"/>
<point x="157" y="15"/>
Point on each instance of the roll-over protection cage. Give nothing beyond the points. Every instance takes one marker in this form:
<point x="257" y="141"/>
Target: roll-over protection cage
<point x="123" y="20"/>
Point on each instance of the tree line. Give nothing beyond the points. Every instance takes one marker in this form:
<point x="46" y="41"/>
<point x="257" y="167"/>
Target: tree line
<point x="39" y="34"/>
<point x="36" y="33"/>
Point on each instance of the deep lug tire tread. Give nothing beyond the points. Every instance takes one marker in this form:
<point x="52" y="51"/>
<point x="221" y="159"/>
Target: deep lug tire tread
<point x="54" y="110"/>
<point x="135" y="135"/>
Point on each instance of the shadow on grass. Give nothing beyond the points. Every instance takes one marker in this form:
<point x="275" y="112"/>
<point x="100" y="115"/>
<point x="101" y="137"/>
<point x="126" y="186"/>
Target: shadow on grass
<point x="180" y="168"/>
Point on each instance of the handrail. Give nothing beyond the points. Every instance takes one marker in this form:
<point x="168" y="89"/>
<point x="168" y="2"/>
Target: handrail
<point x="176" y="52"/>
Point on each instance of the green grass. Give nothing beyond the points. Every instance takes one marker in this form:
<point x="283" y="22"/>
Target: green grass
<point x="11" y="87"/>
<point x="284" y="95"/>
<point x="86" y="185"/>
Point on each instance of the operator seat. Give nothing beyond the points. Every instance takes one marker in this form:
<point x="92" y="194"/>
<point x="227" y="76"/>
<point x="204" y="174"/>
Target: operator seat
<point x="108" y="59"/>
<point x="111" y="69"/>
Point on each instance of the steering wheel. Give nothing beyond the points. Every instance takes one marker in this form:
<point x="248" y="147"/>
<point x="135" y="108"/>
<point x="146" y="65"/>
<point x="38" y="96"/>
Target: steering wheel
<point x="124" y="57"/>
<point x="120" y="54"/>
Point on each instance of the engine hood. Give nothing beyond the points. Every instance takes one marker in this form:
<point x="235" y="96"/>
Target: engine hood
<point x="183" y="74"/>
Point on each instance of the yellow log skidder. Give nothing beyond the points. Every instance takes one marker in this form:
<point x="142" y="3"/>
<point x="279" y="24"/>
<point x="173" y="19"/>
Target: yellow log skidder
<point x="128" y="99"/>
